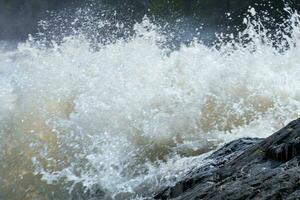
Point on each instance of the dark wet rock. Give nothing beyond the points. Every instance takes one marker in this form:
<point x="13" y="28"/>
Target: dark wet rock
<point x="246" y="169"/>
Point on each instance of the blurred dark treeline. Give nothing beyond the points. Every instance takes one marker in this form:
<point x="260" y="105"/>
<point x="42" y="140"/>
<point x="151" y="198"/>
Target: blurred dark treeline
<point x="18" y="18"/>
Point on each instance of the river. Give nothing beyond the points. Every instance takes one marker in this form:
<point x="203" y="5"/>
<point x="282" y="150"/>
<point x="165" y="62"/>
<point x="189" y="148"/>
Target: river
<point x="124" y="118"/>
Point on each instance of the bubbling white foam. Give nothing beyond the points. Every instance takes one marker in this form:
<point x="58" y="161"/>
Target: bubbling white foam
<point x="133" y="117"/>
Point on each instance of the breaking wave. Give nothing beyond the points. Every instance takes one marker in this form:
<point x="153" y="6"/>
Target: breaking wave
<point x="127" y="118"/>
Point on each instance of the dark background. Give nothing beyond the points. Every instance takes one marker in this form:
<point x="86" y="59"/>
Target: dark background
<point x="18" y="18"/>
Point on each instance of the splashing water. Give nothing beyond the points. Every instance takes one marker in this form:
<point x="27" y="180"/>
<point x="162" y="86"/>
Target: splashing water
<point x="127" y="119"/>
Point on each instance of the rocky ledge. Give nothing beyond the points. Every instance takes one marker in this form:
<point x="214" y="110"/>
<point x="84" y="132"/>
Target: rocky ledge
<point x="248" y="168"/>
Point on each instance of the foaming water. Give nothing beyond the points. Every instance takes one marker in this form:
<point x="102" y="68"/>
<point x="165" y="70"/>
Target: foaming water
<point x="127" y="119"/>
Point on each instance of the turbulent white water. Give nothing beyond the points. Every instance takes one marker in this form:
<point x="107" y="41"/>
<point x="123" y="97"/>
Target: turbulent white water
<point x="132" y="117"/>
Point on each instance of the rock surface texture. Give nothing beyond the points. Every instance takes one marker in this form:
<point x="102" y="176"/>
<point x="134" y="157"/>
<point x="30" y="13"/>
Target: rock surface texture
<point x="247" y="169"/>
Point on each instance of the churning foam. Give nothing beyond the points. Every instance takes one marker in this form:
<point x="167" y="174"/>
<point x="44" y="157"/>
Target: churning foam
<point x="132" y="117"/>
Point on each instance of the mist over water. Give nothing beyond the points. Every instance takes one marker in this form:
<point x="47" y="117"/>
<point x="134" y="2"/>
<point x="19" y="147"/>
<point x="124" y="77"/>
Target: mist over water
<point x="122" y="117"/>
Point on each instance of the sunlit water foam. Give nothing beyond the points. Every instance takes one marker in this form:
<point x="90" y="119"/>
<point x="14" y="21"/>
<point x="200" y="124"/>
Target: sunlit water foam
<point x="131" y="117"/>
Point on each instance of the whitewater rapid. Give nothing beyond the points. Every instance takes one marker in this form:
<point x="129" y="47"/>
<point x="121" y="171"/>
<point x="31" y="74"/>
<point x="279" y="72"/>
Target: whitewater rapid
<point x="131" y="117"/>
